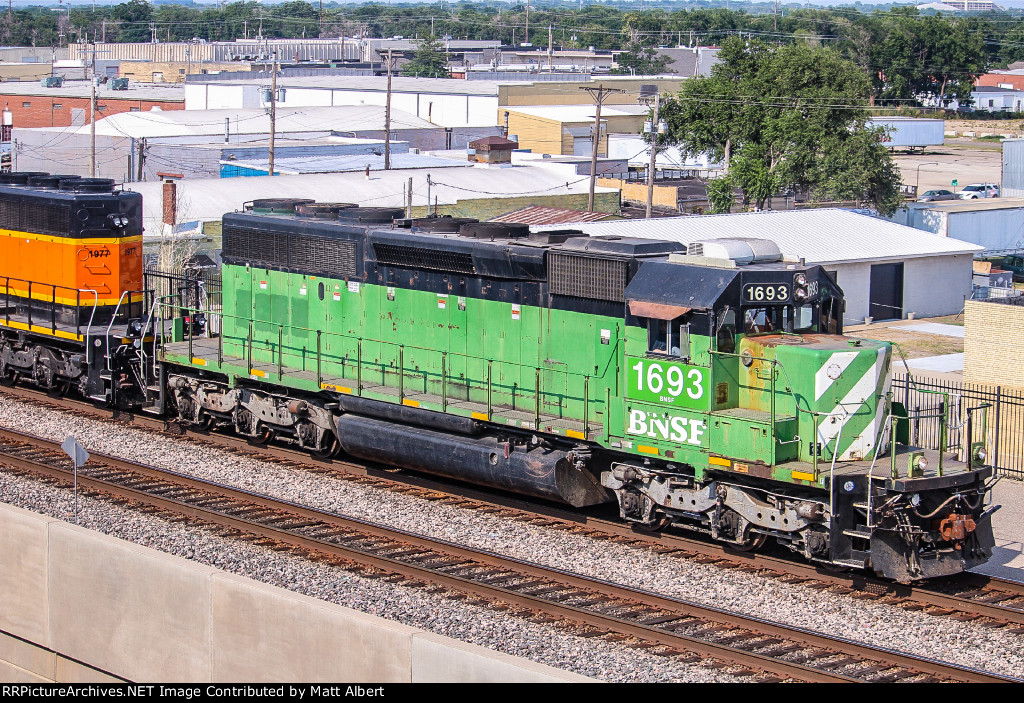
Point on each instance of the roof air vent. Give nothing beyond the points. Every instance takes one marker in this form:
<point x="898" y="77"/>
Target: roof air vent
<point x="88" y="185"/>
<point x="370" y="215"/>
<point x="19" y="178"/>
<point x="443" y="223"/>
<point x="494" y="230"/>
<point x="742" y="250"/>
<point x="277" y="205"/>
<point x="321" y="211"/>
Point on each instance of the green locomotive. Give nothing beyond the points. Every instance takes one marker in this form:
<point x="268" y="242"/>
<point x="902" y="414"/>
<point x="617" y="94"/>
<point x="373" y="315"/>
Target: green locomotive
<point x="695" y="390"/>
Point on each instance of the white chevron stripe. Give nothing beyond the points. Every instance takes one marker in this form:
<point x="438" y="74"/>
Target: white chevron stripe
<point x="823" y="380"/>
<point x="864" y="388"/>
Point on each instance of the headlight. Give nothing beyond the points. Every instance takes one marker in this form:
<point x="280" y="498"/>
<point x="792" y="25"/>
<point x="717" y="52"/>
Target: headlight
<point x="800" y="279"/>
<point x="800" y="295"/>
<point x="921" y="463"/>
<point x="980" y="454"/>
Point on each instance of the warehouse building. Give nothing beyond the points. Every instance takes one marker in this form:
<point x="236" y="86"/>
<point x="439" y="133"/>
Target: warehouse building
<point x="194" y="143"/>
<point x="992" y="223"/>
<point x="887" y="271"/>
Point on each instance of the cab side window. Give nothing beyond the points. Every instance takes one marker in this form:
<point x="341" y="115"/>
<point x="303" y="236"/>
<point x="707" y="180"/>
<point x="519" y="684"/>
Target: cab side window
<point x="669" y="337"/>
<point x="725" y="335"/>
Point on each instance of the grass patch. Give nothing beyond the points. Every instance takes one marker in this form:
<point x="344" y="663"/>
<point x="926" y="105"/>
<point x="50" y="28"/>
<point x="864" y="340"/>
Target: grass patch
<point x="916" y="344"/>
<point x="991" y="138"/>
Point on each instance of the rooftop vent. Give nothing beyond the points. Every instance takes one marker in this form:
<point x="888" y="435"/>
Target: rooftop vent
<point x="443" y="223"/>
<point x="742" y="250"/>
<point x="322" y="211"/>
<point x="494" y="230"/>
<point x="20" y="178"/>
<point x="88" y="185"/>
<point x="370" y="215"/>
<point x="278" y="205"/>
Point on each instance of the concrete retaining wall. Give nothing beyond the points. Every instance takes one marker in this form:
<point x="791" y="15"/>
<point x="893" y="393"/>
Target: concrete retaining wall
<point x="80" y="606"/>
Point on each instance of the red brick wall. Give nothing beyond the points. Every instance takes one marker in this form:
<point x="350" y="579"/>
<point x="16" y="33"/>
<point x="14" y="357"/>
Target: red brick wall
<point x="994" y="79"/>
<point x="43" y="110"/>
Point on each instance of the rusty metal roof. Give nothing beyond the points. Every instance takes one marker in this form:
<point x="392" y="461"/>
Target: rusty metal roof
<point x="539" y="215"/>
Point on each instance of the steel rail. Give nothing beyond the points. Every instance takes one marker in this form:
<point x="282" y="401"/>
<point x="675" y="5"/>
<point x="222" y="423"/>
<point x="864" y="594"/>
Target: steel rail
<point x="667" y="543"/>
<point x="647" y="633"/>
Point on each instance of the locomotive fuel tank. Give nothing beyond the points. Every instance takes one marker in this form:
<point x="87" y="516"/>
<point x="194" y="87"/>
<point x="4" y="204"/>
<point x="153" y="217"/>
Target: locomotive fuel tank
<point x="549" y="473"/>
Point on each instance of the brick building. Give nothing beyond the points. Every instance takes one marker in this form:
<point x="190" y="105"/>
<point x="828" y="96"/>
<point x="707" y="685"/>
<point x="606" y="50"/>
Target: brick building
<point x="32" y="105"/>
<point x="988" y="327"/>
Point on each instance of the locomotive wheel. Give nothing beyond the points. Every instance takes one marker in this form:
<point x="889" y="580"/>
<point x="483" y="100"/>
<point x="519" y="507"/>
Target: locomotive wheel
<point x="752" y="543"/>
<point x="328" y="452"/>
<point x="8" y="376"/>
<point x="59" y="389"/>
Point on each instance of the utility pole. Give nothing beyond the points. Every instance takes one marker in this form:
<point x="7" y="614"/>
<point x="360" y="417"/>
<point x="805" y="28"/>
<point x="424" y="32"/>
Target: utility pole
<point x="387" y="120"/>
<point x="551" y="51"/>
<point x="598" y="95"/>
<point x="273" y="113"/>
<point x="655" y="131"/>
<point x="527" y="22"/>
<point x="92" y="127"/>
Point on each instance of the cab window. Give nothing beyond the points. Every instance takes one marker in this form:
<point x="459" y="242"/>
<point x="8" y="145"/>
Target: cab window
<point x="669" y="337"/>
<point x="725" y="332"/>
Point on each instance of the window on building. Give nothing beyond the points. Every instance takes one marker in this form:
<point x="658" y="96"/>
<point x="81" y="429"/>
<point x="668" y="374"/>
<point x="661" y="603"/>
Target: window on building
<point x="57" y="106"/>
<point x="26" y="104"/>
<point x="134" y="109"/>
<point x="158" y="76"/>
<point x="101" y="108"/>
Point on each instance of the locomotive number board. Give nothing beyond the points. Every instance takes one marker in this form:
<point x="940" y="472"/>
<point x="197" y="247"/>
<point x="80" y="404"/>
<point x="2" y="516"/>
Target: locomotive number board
<point x="656" y="381"/>
<point x="766" y="293"/>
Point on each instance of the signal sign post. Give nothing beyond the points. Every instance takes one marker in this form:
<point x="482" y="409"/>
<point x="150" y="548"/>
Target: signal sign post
<point x="78" y="456"/>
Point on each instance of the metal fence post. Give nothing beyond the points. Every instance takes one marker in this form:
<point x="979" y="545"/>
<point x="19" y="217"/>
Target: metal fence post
<point x="999" y="405"/>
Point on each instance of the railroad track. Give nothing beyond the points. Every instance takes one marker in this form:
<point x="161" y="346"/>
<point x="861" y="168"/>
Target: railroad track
<point x="587" y="607"/>
<point x="993" y="602"/>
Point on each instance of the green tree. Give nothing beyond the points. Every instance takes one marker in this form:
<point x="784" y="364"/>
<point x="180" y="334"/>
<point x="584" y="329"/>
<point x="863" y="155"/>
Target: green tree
<point x="640" y="61"/>
<point x="785" y="116"/>
<point x="429" y="60"/>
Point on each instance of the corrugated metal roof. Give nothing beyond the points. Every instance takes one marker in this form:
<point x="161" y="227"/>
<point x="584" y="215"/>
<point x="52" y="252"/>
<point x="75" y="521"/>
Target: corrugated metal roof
<point x="209" y="198"/>
<point x="340" y="163"/>
<point x="538" y="215"/>
<point x="819" y="236"/>
<point x="176" y="123"/>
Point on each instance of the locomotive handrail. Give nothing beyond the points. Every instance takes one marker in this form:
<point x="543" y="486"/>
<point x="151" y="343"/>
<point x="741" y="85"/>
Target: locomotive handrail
<point x="277" y="357"/>
<point x="52" y="300"/>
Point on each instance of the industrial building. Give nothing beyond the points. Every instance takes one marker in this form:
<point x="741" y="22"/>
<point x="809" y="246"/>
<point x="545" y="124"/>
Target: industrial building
<point x="192" y="143"/>
<point x="887" y="271"/>
<point x="992" y="223"/>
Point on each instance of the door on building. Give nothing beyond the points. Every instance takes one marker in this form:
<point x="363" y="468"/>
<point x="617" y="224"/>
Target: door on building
<point x="886" y="294"/>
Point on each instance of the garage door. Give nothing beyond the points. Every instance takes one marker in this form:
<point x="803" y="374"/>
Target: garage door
<point x="886" y="296"/>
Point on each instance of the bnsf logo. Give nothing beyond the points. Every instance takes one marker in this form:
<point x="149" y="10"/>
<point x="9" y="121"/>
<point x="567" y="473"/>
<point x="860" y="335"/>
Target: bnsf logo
<point x="672" y="428"/>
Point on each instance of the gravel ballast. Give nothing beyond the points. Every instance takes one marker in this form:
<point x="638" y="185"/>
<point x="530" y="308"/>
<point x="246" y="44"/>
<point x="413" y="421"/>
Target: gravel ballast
<point x="881" y="625"/>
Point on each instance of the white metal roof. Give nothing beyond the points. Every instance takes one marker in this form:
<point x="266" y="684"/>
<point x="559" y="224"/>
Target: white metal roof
<point x="820" y="236"/>
<point x="209" y="198"/>
<point x="177" y="123"/>
<point x="975" y="205"/>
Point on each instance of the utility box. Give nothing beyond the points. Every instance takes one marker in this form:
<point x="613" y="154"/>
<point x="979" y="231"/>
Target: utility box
<point x="52" y="81"/>
<point x="119" y="83"/>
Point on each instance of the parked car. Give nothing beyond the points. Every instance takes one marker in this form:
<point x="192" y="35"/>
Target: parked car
<point x="1013" y="263"/>
<point x="978" y="190"/>
<point x="930" y="195"/>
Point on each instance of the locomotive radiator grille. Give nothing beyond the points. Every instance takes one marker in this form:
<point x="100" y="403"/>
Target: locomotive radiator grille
<point x="302" y="252"/>
<point x="35" y="217"/>
<point x="397" y="255"/>
<point x="586" y="276"/>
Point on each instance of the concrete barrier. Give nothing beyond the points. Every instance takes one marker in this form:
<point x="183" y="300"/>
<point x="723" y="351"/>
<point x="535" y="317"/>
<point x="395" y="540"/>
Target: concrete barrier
<point x="81" y="606"/>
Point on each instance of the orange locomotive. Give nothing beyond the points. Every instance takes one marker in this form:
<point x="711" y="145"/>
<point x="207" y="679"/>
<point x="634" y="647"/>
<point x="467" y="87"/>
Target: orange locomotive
<point x="70" y="281"/>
